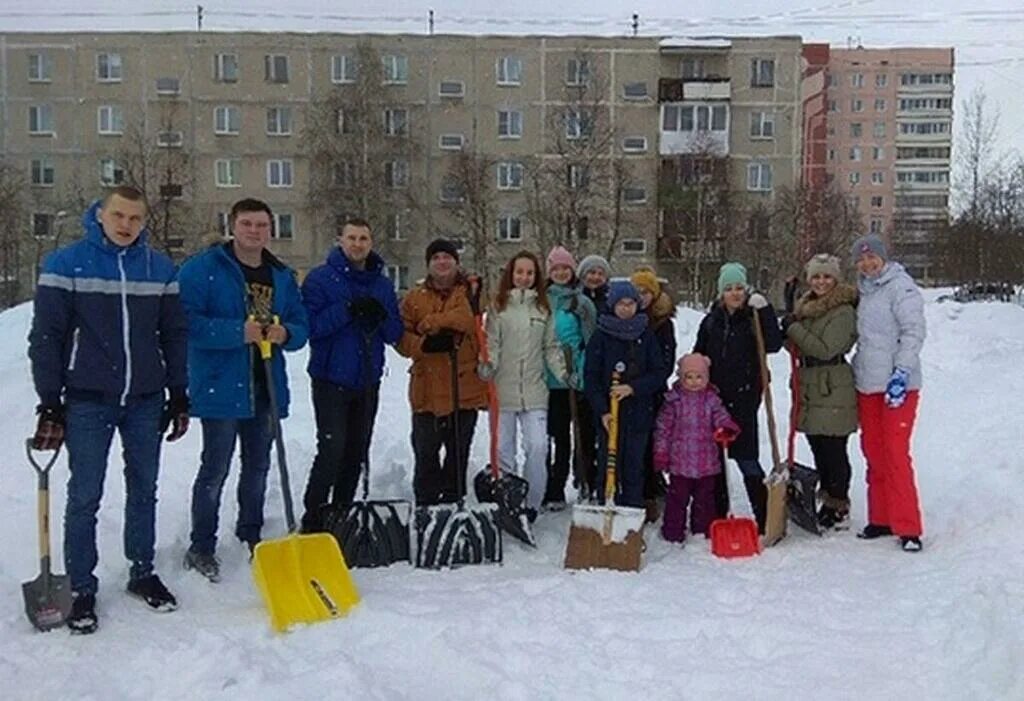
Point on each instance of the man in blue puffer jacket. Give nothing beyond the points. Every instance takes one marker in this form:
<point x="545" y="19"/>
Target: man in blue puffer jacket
<point x="108" y="339"/>
<point x="237" y="294"/>
<point x="353" y="312"/>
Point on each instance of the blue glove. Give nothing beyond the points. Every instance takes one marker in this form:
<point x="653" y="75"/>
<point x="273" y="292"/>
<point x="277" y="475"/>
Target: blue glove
<point x="896" y="390"/>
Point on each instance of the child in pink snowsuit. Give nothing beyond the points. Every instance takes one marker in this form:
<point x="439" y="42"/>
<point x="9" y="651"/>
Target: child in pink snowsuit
<point x="691" y="421"/>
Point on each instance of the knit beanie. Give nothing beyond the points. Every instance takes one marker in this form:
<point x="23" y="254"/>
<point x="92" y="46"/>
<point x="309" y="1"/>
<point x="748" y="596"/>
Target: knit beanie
<point x="695" y="362"/>
<point x="731" y="274"/>
<point x="822" y="264"/>
<point x="560" y="256"/>
<point x="442" y="246"/>
<point x="620" y="290"/>
<point x="644" y="279"/>
<point x="590" y="262"/>
<point x="869" y="244"/>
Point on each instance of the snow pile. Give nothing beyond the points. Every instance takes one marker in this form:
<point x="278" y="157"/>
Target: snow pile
<point x="833" y="617"/>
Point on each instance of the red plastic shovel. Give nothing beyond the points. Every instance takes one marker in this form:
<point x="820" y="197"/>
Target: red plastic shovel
<point x="733" y="536"/>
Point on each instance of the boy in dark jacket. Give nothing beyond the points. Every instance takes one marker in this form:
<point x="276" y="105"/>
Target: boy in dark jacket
<point x="624" y="344"/>
<point x="108" y="339"/>
<point x="353" y="312"/>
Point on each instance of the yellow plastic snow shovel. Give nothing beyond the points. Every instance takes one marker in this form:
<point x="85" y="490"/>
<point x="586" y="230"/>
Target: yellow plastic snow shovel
<point x="303" y="578"/>
<point x="609" y="536"/>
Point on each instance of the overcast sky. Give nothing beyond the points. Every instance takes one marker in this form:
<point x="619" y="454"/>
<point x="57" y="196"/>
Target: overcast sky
<point x="988" y="34"/>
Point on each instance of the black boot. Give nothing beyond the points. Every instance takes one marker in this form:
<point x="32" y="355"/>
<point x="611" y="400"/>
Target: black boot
<point x="757" y="492"/>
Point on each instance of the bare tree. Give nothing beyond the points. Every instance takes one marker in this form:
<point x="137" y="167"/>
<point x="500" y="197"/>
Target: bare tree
<point x="975" y="147"/>
<point x="14" y="215"/>
<point x="807" y="220"/>
<point x="468" y="191"/>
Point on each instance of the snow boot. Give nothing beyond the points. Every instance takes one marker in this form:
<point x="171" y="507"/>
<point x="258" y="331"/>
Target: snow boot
<point x="651" y="511"/>
<point x="910" y="544"/>
<point x="757" y="492"/>
<point x="82" y="619"/>
<point x="872" y="531"/>
<point x="206" y="565"/>
<point x="152" y="591"/>
<point x="834" y="518"/>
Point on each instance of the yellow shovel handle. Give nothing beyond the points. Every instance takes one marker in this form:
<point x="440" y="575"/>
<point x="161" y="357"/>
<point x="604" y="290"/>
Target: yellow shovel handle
<point x="266" y="347"/>
<point x="613" y="446"/>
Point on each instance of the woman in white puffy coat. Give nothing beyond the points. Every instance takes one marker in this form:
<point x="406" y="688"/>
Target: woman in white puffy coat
<point x="522" y="345"/>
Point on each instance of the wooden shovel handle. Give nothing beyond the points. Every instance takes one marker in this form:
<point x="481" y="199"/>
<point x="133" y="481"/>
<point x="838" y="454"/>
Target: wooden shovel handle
<point x="766" y="388"/>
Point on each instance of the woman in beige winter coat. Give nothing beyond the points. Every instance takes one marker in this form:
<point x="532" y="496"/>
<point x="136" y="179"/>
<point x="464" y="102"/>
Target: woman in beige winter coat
<point x="522" y="344"/>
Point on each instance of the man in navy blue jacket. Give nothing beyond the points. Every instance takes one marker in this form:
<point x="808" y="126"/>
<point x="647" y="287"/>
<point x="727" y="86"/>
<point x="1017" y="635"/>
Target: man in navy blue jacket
<point x="353" y="312"/>
<point x="107" y="341"/>
<point x="236" y="294"/>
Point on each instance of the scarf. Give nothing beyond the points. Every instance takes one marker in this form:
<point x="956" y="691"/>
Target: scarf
<point x="623" y="329"/>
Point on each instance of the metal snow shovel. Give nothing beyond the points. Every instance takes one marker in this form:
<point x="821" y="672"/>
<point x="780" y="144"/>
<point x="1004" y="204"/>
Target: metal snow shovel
<point x="801" y="498"/>
<point x="451" y="535"/>
<point x="370" y="533"/>
<point x="492" y="484"/>
<point x="608" y="536"/>
<point x="733" y="536"/>
<point x="48" y="596"/>
<point x="303" y="578"/>
<point x="777" y="480"/>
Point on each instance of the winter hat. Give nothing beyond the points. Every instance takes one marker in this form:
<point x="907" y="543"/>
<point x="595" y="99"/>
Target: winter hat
<point x="822" y="264"/>
<point x="731" y="274"/>
<point x="590" y="262"/>
<point x="695" y="362"/>
<point x="869" y="244"/>
<point x="442" y="246"/>
<point x="643" y="278"/>
<point x="560" y="256"/>
<point x="620" y="290"/>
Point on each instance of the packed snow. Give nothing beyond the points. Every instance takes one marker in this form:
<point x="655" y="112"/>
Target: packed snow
<point x="832" y="618"/>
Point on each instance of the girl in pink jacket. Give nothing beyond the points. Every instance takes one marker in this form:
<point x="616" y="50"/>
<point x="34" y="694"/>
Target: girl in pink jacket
<point x="691" y="421"/>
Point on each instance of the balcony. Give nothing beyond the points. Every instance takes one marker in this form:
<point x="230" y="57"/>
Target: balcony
<point x="694" y="128"/>
<point x="707" y="88"/>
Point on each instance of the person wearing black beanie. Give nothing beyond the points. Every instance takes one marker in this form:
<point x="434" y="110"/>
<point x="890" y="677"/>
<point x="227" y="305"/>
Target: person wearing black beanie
<point x="442" y="246"/>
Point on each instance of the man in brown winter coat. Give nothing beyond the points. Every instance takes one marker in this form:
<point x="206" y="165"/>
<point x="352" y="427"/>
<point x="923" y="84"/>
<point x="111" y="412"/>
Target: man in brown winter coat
<point x="438" y="318"/>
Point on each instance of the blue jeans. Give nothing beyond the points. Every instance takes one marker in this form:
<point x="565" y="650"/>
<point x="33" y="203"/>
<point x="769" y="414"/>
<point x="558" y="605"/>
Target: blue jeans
<point x="90" y="428"/>
<point x="219" y="435"/>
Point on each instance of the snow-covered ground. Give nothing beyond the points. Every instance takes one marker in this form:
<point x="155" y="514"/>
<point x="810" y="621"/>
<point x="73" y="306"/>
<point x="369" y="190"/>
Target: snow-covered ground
<point x="830" y="618"/>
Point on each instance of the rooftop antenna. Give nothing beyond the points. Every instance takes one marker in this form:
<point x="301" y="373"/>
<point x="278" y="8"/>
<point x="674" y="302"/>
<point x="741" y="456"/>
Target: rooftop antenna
<point x="636" y="23"/>
<point x="430" y="23"/>
<point x="199" y="18"/>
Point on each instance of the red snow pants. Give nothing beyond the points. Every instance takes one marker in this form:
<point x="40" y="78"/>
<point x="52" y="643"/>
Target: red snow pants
<point x="885" y="439"/>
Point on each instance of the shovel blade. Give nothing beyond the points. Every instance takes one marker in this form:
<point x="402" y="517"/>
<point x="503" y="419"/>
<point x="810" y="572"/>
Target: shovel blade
<point x="605" y="537"/>
<point x="509" y="493"/>
<point x="734" y="537"/>
<point x="801" y="502"/>
<point x="47" y="604"/>
<point x="303" y="579"/>
<point x="775" y="521"/>
<point x="453" y="535"/>
<point x="371" y="533"/>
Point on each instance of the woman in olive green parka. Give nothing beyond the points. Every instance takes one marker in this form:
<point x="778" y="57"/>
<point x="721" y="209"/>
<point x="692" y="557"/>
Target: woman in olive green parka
<point x="823" y="328"/>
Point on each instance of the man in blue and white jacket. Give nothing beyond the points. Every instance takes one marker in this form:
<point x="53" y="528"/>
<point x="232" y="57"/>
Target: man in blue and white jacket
<point x="108" y="340"/>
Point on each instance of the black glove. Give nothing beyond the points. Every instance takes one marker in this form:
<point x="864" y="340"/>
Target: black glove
<point x="442" y="342"/>
<point x="368" y="312"/>
<point x="789" y="294"/>
<point x="175" y="415"/>
<point x="787" y="321"/>
<point x="49" y="433"/>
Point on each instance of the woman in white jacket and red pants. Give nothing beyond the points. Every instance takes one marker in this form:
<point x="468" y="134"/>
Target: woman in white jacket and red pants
<point x="887" y="372"/>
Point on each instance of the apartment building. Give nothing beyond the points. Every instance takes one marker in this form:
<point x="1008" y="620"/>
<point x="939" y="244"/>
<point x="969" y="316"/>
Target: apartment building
<point x="889" y="136"/>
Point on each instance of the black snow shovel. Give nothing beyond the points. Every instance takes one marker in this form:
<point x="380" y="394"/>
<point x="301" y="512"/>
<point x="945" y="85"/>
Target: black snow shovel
<point x="48" y="596"/>
<point x="370" y="533"/>
<point x="452" y="535"/>
<point x="493" y="485"/>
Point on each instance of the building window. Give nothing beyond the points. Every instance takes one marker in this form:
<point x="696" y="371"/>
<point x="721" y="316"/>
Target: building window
<point x="924" y="128"/>
<point x="577" y="228"/>
<point x="877" y="201"/>
<point x="393" y="227"/>
<point x="284" y="227"/>
<point x="856" y="80"/>
<point x="510" y="124"/>
<point x="170" y="139"/>
<point x="856" y="130"/>
<point x="876" y="226"/>
<point x="43" y="172"/>
<point x="275" y="68"/>
<point x="634" y="144"/>
<point x="634" y="91"/>
<point x="399" y="276"/>
<point x="577" y="124"/>
<point x="831" y="154"/>
<point x="40" y="119"/>
<point x="451" y="88"/>
<point x="878" y="153"/>
<point x="919" y="104"/>
<point x="396" y="122"/>
<point x="930" y="177"/>
<point x="577" y="72"/>
<point x="690" y="117"/>
<point x="633" y="194"/>
<point x="108" y="68"/>
<point x="396" y="69"/>
<point x="110" y="120"/>
<point x="880" y="104"/>
<point x="830" y="130"/>
<point x="634" y="246"/>
<point x="856" y="105"/>
<point x="42" y="225"/>
<point x="227" y="120"/>
<point x="343" y="69"/>
<point x="762" y="125"/>
<point x="40" y="68"/>
<point x="833" y="105"/>
<point x="279" y="121"/>
<point x="510" y="228"/>
<point x="225" y="68"/>
<point x="452" y="192"/>
<point x="343" y="174"/>
<point x="344" y="122"/>
<point x="762" y="73"/>
<point x="855" y="153"/>
<point x="854" y="178"/>
<point x="577" y="176"/>
<point x="879" y="130"/>
<point x="509" y="70"/>
<point x="228" y="172"/>
<point x="510" y="175"/>
<point x="451" y="142"/>
<point x="926" y="79"/>
<point x="224" y="224"/>
<point x="690" y="68"/>
<point x="877" y="178"/>
<point x="279" y="173"/>
<point x="396" y="174"/>
<point x="881" y="80"/>
<point x="111" y="174"/>
<point x="759" y="177"/>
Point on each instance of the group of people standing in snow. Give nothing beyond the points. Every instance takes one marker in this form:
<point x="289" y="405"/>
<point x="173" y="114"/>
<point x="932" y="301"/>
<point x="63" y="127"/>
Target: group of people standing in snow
<point x="120" y="339"/>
